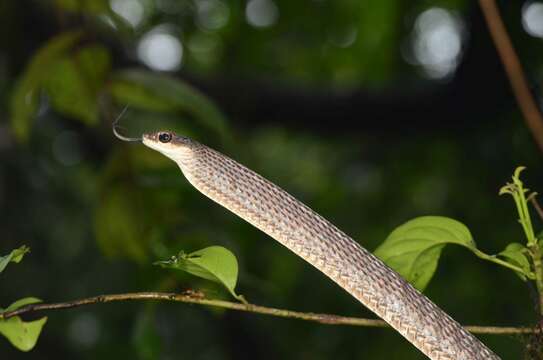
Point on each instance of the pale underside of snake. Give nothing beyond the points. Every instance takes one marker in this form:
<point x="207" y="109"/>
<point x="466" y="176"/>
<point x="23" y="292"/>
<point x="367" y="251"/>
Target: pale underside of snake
<point x="313" y="238"/>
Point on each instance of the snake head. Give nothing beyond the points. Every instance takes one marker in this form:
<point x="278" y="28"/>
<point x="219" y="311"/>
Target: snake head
<point x="174" y="146"/>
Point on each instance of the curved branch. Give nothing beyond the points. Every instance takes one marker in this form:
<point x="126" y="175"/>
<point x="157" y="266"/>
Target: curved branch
<point x="192" y="297"/>
<point x="513" y="68"/>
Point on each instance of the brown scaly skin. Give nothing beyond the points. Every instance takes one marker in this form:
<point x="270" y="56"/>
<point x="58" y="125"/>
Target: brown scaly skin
<point x="316" y="240"/>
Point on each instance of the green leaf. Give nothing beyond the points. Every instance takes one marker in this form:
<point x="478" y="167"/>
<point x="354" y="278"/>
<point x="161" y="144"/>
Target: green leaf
<point x="72" y="82"/>
<point x="69" y="93"/>
<point x="515" y="253"/>
<point x="15" y="256"/>
<point x="25" y="100"/>
<point x="157" y="92"/>
<point x="94" y="62"/>
<point x="135" y="95"/>
<point x="413" y="249"/>
<point x="68" y="5"/>
<point x="22" y="334"/>
<point x="214" y="263"/>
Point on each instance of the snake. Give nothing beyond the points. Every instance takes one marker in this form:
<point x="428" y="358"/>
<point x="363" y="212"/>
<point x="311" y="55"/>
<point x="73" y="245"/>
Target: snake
<point x="313" y="238"/>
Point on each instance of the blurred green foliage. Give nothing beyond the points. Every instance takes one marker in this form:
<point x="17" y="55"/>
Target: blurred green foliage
<point x="26" y="95"/>
<point x="97" y="212"/>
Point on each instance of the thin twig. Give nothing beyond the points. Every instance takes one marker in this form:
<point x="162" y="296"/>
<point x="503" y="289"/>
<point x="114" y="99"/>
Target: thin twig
<point x="530" y="275"/>
<point x="513" y="68"/>
<point x="537" y="207"/>
<point x="197" y="298"/>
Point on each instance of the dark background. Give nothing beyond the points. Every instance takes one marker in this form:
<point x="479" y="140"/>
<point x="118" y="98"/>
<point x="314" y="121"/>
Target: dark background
<point x="372" y="112"/>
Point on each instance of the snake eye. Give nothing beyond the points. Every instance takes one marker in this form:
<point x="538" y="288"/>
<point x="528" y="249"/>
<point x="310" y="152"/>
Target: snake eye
<point x="165" y="137"/>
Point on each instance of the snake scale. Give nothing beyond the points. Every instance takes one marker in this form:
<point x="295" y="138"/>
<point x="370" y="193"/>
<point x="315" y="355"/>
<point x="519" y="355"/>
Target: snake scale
<point x="313" y="238"/>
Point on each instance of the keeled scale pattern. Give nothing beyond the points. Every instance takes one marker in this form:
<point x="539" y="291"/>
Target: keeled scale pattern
<point x="313" y="238"/>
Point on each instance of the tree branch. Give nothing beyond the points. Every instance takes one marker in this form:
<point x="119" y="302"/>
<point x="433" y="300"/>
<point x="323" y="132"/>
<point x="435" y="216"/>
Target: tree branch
<point x="192" y="297"/>
<point x="513" y="68"/>
<point x="537" y="207"/>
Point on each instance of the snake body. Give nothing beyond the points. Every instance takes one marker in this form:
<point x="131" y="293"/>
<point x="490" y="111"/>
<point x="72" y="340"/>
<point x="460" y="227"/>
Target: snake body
<point x="323" y="245"/>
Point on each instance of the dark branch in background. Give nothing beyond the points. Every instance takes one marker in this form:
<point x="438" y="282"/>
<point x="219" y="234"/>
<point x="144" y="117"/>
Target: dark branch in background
<point x="537" y="207"/>
<point x="192" y="297"/>
<point x="513" y="68"/>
